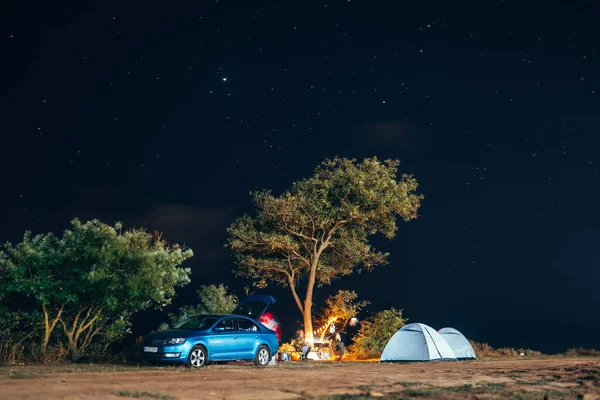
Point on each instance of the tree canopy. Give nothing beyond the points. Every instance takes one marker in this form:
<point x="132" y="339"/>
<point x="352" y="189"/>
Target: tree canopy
<point x="319" y="229"/>
<point x="92" y="278"/>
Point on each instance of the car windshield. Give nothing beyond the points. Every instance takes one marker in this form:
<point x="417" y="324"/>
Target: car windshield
<point x="199" y="323"/>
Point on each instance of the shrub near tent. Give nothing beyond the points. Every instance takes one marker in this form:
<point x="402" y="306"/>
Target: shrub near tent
<point x="458" y="343"/>
<point x="417" y="342"/>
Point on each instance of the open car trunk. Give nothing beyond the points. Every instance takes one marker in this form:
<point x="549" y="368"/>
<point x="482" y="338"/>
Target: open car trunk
<point x="254" y="306"/>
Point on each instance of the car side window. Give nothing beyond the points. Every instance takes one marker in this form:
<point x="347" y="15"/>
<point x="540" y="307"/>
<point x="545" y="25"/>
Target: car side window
<point x="246" y="325"/>
<point x="225" y="325"/>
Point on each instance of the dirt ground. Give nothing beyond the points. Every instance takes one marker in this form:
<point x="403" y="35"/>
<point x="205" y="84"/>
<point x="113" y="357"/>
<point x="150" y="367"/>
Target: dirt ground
<point x="560" y="378"/>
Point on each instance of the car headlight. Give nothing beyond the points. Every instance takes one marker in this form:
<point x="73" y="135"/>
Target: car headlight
<point x="176" y="341"/>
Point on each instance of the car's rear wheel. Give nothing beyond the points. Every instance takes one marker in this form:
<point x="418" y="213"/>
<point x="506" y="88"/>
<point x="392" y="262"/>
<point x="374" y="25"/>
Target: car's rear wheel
<point x="197" y="357"/>
<point x="263" y="355"/>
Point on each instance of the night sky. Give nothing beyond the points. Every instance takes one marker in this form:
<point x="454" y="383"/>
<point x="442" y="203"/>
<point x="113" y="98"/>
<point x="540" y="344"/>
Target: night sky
<point x="166" y="116"/>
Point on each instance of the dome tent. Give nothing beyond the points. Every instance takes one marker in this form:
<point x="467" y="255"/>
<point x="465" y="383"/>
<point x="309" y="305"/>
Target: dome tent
<point x="417" y="342"/>
<point x="458" y="343"/>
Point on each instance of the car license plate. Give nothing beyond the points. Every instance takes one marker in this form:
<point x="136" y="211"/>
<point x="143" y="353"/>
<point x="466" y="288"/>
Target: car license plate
<point x="150" y="349"/>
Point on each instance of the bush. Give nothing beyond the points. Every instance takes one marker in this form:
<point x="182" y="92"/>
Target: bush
<point x="212" y="299"/>
<point x="10" y="352"/>
<point x="374" y="333"/>
<point x="530" y="352"/>
<point x="581" y="352"/>
<point x="507" y="352"/>
<point x="485" y="350"/>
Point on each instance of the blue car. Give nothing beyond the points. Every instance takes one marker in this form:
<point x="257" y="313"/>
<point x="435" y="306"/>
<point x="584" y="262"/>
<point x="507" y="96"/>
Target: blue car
<point x="232" y="337"/>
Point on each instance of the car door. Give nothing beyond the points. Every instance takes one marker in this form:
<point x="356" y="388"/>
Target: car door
<point x="223" y="340"/>
<point x="248" y="337"/>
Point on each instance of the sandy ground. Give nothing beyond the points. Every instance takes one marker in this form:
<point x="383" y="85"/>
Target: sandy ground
<point x="560" y="378"/>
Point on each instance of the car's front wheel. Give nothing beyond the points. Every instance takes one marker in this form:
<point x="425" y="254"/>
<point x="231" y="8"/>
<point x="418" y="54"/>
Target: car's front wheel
<point x="263" y="355"/>
<point x="197" y="357"/>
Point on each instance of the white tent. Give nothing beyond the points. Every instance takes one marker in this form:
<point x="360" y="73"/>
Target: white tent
<point x="417" y="342"/>
<point x="458" y="343"/>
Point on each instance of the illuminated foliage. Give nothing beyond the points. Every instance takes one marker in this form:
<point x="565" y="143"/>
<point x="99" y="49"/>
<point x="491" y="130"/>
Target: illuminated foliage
<point x="339" y="310"/>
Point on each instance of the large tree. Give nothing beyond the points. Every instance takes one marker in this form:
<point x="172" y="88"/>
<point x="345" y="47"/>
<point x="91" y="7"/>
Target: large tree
<point x="92" y="279"/>
<point x="319" y="229"/>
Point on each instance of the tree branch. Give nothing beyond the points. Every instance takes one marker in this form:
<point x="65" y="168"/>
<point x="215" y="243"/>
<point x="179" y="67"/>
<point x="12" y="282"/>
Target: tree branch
<point x="45" y="316"/>
<point x="311" y="219"/>
<point x="296" y="297"/>
<point x="90" y="322"/>
<point x="83" y="321"/>
<point x="87" y="340"/>
<point x="75" y="321"/>
<point x="299" y="234"/>
<point x="55" y="320"/>
<point x="294" y="252"/>
<point x="325" y="243"/>
<point x="292" y="284"/>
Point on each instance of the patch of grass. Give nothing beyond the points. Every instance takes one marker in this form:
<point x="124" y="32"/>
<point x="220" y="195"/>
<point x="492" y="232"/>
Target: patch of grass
<point x="477" y="389"/>
<point x="462" y="388"/>
<point x="410" y="384"/>
<point x="421" y="392"/>
<point x="25" y="375"/>
<point x="525" y="395"/>
<point x="88" y="368"/>
<point x="387" y="396"/>
<point x="120" y="368"/>
<point x="20" y="374"/>
<point x="554" y="394"/>
<point x="538" y="382"/>
<point x="417" y="389"/>
<point x="138" y="395"/>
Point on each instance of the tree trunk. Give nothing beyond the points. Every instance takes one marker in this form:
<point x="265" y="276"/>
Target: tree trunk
<point x="295" y="294"/>
<point x="78" y="327"/>
<point x="49" y="326"/>
<point x="75" y="354"/>
<point x="46" y="338"/>
<point x="308" y="326"/>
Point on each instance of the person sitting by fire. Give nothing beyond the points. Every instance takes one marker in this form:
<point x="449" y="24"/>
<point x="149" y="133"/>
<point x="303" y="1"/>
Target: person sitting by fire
<point x="305" y="351"/>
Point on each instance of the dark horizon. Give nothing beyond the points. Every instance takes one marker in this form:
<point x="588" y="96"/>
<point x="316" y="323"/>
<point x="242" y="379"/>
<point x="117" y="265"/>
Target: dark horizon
<point x="167" y="118"/>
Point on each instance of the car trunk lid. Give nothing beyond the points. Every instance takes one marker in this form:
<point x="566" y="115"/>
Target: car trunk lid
<point x="254" y="306"/>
